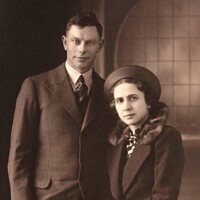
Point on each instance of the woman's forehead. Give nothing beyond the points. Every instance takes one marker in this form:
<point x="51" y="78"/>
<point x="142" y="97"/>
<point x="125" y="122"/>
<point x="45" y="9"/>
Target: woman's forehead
<point x="126" y="89"/>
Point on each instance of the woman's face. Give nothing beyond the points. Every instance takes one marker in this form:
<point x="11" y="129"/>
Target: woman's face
<point x="130" y="104"/>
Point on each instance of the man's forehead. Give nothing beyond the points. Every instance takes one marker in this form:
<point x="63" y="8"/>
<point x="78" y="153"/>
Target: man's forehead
<point x="88" y="32"/>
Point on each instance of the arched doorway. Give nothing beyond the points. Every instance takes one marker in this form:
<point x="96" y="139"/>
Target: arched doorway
<point x="164" y="36"/>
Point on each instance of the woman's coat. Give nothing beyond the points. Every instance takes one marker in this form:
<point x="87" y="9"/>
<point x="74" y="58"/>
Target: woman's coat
<point x="154" y="170"/>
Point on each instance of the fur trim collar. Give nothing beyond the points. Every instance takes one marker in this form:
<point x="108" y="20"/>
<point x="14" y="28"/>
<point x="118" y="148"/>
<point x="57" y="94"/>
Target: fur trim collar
<point x="148" y="132"/>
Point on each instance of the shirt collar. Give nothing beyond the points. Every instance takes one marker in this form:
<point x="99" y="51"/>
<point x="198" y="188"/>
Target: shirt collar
<point x="74" y="75"/>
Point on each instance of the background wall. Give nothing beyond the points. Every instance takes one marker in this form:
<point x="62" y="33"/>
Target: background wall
<point x="164" y="36"/>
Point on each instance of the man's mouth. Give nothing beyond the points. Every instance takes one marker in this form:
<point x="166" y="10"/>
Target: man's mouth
<point x="82" y="58"/>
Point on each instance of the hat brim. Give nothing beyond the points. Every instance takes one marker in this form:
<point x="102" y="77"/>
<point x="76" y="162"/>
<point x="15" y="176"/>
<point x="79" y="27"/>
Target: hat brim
<point x="139" y="73"/>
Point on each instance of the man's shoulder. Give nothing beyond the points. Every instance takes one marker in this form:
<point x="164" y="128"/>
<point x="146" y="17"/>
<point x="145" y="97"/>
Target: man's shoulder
<point x="48" y="73"/>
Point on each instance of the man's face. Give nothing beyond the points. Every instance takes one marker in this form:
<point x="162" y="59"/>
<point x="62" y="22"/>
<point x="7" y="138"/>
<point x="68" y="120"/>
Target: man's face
<point x="82" y="46"/>
<point x="130" y="104"/>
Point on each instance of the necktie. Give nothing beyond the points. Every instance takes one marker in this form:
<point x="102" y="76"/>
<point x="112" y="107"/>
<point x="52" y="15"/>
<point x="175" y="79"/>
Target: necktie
<point x="132" y="140"/>
<point x="82" y="89"/>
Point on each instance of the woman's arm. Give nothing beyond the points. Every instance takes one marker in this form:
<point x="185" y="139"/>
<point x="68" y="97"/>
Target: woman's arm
<point x="169" y="163"/>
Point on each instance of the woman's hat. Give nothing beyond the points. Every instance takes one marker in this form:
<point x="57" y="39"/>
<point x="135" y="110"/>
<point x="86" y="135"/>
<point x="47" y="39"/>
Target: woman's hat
<point x="139" y="73"/>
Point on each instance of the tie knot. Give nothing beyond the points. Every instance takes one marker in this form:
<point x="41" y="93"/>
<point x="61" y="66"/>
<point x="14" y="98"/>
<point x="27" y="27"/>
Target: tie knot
<point x="81" y="79"/>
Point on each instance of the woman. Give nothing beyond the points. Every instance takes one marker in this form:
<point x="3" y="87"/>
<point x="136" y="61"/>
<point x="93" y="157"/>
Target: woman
<point x="146" y="158"/>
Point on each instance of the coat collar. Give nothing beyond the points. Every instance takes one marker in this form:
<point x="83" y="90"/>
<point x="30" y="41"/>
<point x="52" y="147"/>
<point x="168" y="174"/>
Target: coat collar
<point x="133" y="164"/>
<point x="114" y="165"/>
<point x="95" y="100"/>
<point x="149" y="131"/>
<point x="131" y="168"/>
<point x="61" y="88"/>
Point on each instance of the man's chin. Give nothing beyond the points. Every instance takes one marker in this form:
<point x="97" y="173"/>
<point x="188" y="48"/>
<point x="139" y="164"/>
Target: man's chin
<point x="82" y="68"/>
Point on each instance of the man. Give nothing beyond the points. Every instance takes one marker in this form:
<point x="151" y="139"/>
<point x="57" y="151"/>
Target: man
<point x="59" y="134"/>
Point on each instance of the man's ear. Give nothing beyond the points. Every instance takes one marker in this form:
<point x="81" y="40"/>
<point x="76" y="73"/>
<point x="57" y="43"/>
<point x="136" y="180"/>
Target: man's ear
<point x="101" y="44"/>
<point x="64" y="40"/>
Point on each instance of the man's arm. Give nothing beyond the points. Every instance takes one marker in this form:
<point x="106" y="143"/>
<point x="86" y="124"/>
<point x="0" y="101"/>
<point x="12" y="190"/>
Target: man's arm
<point x="23" y="142"/>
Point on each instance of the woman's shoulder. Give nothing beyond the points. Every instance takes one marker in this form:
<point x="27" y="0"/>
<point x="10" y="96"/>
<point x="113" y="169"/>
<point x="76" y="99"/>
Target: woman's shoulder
<point x="168" y="129"/>
<point x="170" y="133"/>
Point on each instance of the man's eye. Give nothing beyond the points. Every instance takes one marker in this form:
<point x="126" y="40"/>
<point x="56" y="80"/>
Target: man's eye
<point x="77" y="42"/>
<point x="90" y="43"/>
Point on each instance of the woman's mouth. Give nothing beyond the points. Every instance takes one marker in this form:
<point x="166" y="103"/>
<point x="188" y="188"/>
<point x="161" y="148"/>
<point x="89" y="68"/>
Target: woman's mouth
<point x="129" y="115"/>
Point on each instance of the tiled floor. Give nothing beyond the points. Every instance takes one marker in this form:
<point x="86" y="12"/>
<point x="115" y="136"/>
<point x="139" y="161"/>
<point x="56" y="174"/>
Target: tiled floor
<point x="190" y="188"/>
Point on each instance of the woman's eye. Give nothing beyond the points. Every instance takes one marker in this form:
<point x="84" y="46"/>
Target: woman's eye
<point x="118" y="101"/>
<point x="133" y="98"/>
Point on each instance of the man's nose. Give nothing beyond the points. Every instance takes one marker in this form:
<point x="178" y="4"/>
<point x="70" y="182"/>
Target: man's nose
<point x="82" y="47"/>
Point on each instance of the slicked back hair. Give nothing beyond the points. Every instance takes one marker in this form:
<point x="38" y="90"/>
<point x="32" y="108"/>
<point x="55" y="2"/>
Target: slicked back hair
<point x="83" y="20"/>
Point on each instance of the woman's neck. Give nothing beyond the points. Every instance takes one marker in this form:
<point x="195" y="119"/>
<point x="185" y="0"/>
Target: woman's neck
<point x="134" y="127"/>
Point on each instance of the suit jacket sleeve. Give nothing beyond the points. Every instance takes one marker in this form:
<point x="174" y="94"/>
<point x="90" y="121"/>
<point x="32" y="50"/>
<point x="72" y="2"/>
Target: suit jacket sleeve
<point x="169" y="162"/>
<point x="23" y="138"/>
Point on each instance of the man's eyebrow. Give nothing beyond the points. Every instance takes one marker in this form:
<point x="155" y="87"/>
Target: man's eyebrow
<point x="75" y="38"/>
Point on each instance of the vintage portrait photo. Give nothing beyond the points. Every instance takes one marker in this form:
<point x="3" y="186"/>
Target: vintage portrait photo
<point x="100" y="100"/>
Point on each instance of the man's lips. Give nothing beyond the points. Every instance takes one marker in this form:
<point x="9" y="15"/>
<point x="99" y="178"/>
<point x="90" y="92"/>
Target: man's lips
<point x="82" y="58"/>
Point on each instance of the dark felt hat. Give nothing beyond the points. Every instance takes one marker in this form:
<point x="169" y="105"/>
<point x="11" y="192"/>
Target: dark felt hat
<point x="139" y="73"/>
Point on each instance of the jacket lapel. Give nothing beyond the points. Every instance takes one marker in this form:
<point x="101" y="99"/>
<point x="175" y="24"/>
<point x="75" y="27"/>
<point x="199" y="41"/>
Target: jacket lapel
<point x="95" y="100"/>
<point x="134" y="163"/>
<point x="114" y="158"/>
<point x="60" y="87"/>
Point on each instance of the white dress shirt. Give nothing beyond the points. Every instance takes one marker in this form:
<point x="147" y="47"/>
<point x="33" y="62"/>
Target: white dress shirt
<point x="74" y="76"/>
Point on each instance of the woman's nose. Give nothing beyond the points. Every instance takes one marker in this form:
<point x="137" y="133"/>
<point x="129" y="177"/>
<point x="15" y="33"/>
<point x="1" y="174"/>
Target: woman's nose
<point x="126" y="105"/>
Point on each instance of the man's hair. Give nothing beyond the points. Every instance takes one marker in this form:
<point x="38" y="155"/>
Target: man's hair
<point x="83" y="20"/>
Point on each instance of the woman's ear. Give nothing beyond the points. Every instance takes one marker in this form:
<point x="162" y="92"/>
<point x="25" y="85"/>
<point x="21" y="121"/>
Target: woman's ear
<point x="112" y="104"/>
<point x="148" y="106"/>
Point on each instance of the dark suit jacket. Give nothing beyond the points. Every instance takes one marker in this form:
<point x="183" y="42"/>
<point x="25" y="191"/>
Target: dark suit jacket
<point x="154" y="171"/>
<point x="54" y="155"/>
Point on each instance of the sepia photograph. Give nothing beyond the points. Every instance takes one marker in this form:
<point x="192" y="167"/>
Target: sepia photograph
<point x="100" y="100"/>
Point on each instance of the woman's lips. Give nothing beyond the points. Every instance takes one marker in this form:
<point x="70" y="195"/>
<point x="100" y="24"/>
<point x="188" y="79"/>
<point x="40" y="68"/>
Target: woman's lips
<point x="129" y="115"/>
